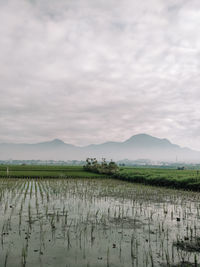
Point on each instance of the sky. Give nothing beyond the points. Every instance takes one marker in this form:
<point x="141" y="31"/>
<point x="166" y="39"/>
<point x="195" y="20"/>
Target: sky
<point x="91" y="71"/>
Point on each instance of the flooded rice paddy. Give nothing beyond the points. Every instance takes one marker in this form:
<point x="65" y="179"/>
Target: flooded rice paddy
<point x="97" y="222"/>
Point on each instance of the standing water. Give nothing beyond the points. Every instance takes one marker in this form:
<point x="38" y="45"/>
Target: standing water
<point x="97" y="222"/>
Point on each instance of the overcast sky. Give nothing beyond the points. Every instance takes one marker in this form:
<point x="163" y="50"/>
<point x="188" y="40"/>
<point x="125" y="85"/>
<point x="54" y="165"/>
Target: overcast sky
<point x="89" y="71"/>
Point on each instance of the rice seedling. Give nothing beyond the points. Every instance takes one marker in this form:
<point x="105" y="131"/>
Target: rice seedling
<point x="100" y="222"/>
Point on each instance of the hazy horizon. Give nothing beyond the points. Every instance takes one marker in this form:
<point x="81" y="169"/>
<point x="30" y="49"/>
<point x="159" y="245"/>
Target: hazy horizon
<point x="92" y="71"/>
<point x="98" y="143"/>
<point x="140" y="146"/>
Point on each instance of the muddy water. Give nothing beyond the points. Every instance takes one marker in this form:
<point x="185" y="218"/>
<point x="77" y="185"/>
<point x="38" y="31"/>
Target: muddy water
<point x="81" y="223"/>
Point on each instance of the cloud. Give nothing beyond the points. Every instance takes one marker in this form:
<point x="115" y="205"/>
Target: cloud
<point x="92" y="71"/>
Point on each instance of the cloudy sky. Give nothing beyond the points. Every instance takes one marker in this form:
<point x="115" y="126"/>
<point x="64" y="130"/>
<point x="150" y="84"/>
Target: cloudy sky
<point x="89" y="71"/>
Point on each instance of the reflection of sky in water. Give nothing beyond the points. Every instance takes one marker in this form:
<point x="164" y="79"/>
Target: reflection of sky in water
<point x="95" y="222"/>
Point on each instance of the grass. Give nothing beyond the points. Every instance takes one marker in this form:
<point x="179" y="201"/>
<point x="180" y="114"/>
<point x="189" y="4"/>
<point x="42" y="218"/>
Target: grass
<point x="184" y="179"/>
<point x="46" y="172"/>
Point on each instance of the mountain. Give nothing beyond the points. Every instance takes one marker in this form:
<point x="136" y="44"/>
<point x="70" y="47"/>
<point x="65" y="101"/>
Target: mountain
<point x="145" y="140"/>
<point x="55" y="150"/>
<point x="144" y="146"/>
<point x="140" y="146"/>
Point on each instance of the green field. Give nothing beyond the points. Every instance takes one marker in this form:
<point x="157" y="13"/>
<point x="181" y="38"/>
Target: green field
<point x="185" y="179"/>
<point x="29" y="171"/>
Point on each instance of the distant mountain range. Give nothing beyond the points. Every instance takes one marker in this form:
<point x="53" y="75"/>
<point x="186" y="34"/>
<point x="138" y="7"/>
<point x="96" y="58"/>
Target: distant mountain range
<point x="140" y="146"/>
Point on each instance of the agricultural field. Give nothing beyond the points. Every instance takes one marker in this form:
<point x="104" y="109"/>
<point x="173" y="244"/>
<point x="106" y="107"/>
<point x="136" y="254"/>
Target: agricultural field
<point x="33" y="171"/>
<point x="185" y="179"/>
<point x="97" y="223"/>
<point x="180" y="179"/>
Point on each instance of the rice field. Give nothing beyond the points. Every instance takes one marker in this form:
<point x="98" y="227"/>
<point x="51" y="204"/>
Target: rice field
<point x="97" y="223"/>
<point x="34" y="171"/>
<point x="185" y="179"/>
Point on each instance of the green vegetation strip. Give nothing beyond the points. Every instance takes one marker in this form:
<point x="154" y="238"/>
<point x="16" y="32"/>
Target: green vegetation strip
<point x="46" y="172"/>
<point x="183" y="179"/>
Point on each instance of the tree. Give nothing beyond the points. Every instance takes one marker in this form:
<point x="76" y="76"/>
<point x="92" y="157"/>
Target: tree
<point x="104" y="168"/>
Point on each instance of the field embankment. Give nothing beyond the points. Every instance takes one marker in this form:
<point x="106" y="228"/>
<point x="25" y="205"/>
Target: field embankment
<point x="183" y="179"/>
